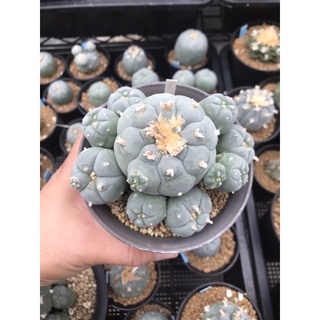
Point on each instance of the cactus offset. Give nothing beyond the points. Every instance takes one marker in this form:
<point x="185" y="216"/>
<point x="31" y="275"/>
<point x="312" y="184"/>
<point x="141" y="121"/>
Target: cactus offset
<point x="224" y="310"/>
<point x="60" y="92"/>
<point x="264" y="44"/>
<point x="184" y="76"/>
<point x="134" y="58"/>
<point x="255" y="108"/>
<point x="144" y="75"/>
<point x="86" y="56"/>
<point x="98" y="93"/>
<point x="206" y="80"/>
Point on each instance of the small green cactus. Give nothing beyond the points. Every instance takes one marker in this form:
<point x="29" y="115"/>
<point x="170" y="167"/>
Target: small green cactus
<point x="86" y="56"/>
<point x="224" y="310"/>
<point x="98" y="93"/>
<point x="144" y="75"/>
<point x="62" y="297"/>
<point x="60" y="92"/>
<point x="276" y="93"/>
<point x="100" y="127"/>
<point x="264" y="44"/>
<point x="272" y="169"/>
<point x="255" y="108"/>
<point x="97" y="176"/>
<point x="124" y="97"/>
<point x="206" y="80"/>
<point x="152" y="315"/>
<point x="48" y="65"/>
<point x="208" y="250"/>
<point x="45" y="302"/>
<point x="128" y="282"/>
<point x="72" y="132"/>
<point x="191" y="47"/>
<point x="184" y="76"/>
<point x="134" y="58"/>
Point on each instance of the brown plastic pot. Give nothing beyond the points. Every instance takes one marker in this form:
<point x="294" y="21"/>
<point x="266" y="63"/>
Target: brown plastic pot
<point x="222" y="222"/>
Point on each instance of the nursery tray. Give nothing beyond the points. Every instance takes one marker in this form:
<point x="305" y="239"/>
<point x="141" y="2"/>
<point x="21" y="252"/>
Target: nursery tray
<point x="251" y="272"/>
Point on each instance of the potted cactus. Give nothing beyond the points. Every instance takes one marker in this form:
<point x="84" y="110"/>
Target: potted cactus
<point x="86" y="61"/>
<point x="132" y="287"/>
<point x="189" y="51"/>
<point x="215" y="257"/>
<point x="257" y="113"/>
<point x="143" y="76"/>
<point x="160" y="173"/>
<point x="69" y="134"/>
<point x="47" y="166"/>
<point x="52" y="67"/>
<point x="255" y="52"/>
<point x="48" y="120"/>
<point x="218" y="301"/>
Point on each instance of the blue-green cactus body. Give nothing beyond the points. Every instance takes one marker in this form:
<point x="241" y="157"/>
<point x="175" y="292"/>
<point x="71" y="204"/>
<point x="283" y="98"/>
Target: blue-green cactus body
<point x="58" y="315"/>
<point x="215" y="176"/>
<point x="191" y="47"/>
<point x="73" y="131"/>
<point x="98" y="93"/>
<point x="146" y="210"/>
<point x="188" y="213"/>
<point x="45" y="302"/>
<point x="165" y="144"/>
<point x="86" y="57"/>
<point x="97" y="176"/>
<point x="100" y="127"/>
<point x="206" y="80"/>
<point x="237" y="140"/>
<point x="184" y="76"/>
<point x="62" y="297"/>
<point x="224" y="310"/>
<point x="208" y="250"/>
<point x="152" y="315"/>
<point x="255" y="108"/>
<point x="134" y="58"/>
<point x="48" y="64"/>
<point x="276" y="93"/>
<point x="143" y="76"/>
<point x="124" y="97"/>
<point x="237" y="171"/>
<point x="60" y="92"/>
<point x="221" y="109"/>
<point x="128" y="282"/>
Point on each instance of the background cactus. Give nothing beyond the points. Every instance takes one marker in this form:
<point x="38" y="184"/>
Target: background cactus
<point x="144" y="75"/>
<point x="60" y="92"/>
<point x="206" y="79"/>
<point x="272" y="169"/>
<point x="191" y="47"/>
<point x="152" y="315"/>
<point x="98" y="93"/>
<point x="264" y="44"/>
<point x="276" y="93"/>
<point x="97" y="176"/>
<point x="62" y="297"/>
<point x="128" y="282"/>
<point x="133" y="59"/>
<point x="255" y="108"/>
<point x="86" y="57"/>
<point x="184" y="76"/>
<point x="48" y="65"/>
<point x="209" y="249"/>
<point x="224" y="310"/>
<point x="72" y="132"/>
<point x="45" y="302"/>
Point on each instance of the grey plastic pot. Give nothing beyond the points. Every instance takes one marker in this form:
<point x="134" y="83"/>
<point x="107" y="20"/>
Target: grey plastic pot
<point x="222" y="222"/>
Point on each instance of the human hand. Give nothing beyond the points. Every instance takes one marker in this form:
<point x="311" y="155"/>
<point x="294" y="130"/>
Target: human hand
<point x="71" y="240"/>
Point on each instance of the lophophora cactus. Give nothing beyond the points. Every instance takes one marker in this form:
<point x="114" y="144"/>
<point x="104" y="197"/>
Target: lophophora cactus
<point x="152" y="315"/>
<point x="134" y="58"/>
<point x="256" y="108"/>
<point x="184" y="76"/>
<point x="209" y="249"/>
<point x="48" y="65"/>
<point x="224" y="310"/>
<point x="191" y="47"/>
<point x="272" y="169"/>
<point x="206" y="79"/>
<point x="60" y="92"/>
<point x="86" y="56"/>
<point x="98" y="93"/>
<point x="129" y="282"/>
<point x="264" y="44"/>
<point x="143" y="76"/>
<point x="165" y="146"/>
<point x="72" y="132"/>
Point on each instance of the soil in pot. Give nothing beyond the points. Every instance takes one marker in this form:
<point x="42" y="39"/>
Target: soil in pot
<point x="48" y="120"/>
<point x="217" y="263"/>
<point x="275" y="211"/>
<point x="47" y="166"/>
<point x="267" y="169"/>
<point x="196" y="303"/>
<point x="132" y="287"/>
